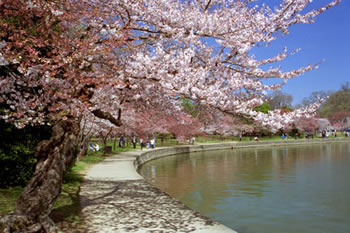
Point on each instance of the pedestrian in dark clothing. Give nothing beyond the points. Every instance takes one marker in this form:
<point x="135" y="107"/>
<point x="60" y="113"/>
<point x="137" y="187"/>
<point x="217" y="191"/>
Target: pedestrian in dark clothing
<point x="133" y="140"/>
<point x="121" y="142"/>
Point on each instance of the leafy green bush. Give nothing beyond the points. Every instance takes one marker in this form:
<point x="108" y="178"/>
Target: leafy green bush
<point x="17" y="152"/>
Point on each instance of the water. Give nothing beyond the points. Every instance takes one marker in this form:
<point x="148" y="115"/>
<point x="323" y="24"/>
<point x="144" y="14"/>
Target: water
<point x="292" y="189"/>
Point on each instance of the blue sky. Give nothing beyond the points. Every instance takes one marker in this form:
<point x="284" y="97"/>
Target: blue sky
<point x="329" y="39"/>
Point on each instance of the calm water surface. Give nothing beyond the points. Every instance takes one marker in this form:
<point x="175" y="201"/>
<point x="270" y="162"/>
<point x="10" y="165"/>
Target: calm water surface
<point x="304" y="189"/>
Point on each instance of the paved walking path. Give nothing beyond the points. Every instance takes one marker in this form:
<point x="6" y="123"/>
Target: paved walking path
<point x="115" y="198"/>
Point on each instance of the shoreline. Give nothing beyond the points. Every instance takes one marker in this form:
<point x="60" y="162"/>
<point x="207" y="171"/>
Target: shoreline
<point x="116" y="198"/>
<point x="169" y="151"/>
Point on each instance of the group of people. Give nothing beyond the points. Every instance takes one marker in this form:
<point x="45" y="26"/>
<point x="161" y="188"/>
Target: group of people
<point x="329" y="133"/>
<point x="284" y="136"/>
<point x="94" y="147"/>
<point x="149" y="143"/>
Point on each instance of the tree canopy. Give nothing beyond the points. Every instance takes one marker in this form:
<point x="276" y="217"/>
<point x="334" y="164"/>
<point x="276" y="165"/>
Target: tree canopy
<point x="59" y="59"/>
<point x="337" y="102"/>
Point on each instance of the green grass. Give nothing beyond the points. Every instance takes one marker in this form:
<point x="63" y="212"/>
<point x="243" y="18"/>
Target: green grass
<point x="8" y="199"/>
<point x="66" y="210"/>
<point x="117" y="149"/>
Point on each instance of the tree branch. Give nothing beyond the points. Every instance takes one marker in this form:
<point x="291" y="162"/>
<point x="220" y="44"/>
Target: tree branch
<point x="207" y="6"/>
<point x="108" y="116"/>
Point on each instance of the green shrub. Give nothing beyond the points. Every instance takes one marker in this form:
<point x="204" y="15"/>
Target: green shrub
<point x="17" y="152"/>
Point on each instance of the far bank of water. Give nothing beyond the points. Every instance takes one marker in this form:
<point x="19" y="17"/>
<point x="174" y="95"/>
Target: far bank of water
<point x="292" y="189"/>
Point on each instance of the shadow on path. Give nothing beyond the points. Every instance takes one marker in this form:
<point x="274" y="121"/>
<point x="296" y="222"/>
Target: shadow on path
<point x="131" y="206"/>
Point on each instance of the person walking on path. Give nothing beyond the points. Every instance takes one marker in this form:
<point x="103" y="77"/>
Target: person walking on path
<point x="148" y="145"/>
<point x="121" y="142"/>
<point x="134" y="141"/>
<point x="153" y="143"/>
<point x="193" y="140"/>
<point x="141" y="143"/>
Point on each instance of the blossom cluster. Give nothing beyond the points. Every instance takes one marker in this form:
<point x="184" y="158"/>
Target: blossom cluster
<point x="67" y="59"/>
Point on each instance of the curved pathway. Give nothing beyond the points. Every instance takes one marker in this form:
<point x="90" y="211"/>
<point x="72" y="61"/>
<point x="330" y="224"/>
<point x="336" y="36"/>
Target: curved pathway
<point x="115" y="198"/>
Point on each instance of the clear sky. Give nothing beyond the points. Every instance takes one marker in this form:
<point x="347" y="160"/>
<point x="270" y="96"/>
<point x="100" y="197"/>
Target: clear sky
<point x="329" y="39"/>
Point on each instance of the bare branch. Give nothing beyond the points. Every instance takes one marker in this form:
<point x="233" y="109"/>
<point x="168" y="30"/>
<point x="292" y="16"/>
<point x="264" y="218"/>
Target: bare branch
<point x="108" y="116"/>
<point x="207" y="6"/>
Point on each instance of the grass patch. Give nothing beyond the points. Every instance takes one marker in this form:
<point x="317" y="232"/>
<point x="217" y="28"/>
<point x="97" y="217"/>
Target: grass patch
<point x="66" y="211"/>
<point x="8" y="199"/>
<point x="115" y="150"/>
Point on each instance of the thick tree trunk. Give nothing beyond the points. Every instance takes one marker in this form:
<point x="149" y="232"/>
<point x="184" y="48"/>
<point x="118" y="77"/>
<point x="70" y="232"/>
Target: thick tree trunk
<point x="36" y="202"/>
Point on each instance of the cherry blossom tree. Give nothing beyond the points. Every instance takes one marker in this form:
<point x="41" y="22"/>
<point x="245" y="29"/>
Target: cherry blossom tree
<point x="60" y="59"/>
<point x="47" y="74"/>
<point x="324" y="124"/>
<point x="339" y="119"/>
<point x="223" y="75"/>
<point x="184" y="127"/>
<point x="215" y="122"/>
<point x="151" y="121"/>
<point x="307" y="124"/>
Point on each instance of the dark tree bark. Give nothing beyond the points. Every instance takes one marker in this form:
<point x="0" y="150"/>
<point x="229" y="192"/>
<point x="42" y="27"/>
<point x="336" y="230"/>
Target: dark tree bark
<point x="108" y="116"/>
<point x="35" y="203"/>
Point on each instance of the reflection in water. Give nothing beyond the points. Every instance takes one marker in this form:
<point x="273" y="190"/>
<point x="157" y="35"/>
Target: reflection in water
<point x="264" y="189"/>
